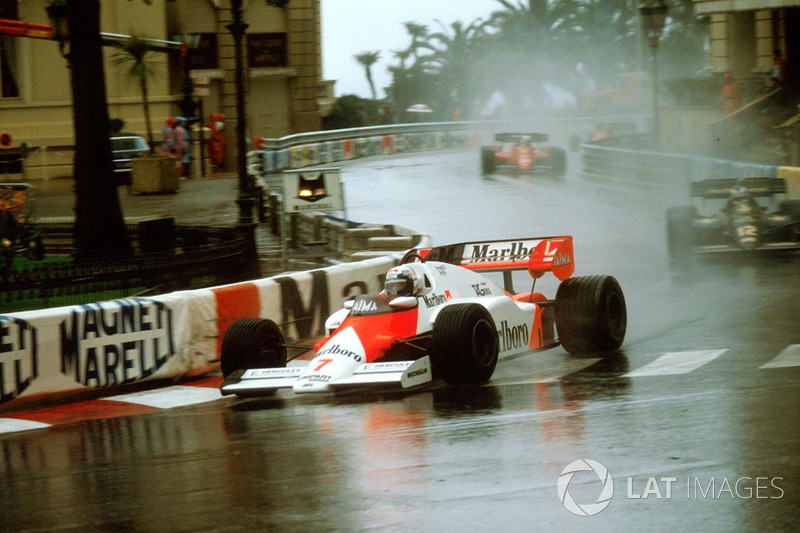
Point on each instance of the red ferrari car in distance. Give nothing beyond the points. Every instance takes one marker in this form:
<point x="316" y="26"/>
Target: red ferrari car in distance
<point x="525" y="152"/>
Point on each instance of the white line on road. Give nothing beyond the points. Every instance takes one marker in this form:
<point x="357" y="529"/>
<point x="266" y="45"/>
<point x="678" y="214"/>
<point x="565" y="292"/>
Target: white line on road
<point x="677" y="363"/>
<point x="788" y="357"/>
<point x="175" y="396"/>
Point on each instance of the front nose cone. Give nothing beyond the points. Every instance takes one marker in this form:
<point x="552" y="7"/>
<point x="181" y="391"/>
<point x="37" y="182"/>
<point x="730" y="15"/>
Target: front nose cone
<point x="310" y="385"/>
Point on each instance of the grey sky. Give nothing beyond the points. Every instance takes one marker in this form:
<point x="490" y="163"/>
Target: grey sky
<point x="351" y="27"/>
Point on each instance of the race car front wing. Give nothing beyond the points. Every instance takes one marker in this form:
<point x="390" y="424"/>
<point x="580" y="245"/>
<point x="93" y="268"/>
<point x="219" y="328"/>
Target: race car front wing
<point x="262" y="381"/>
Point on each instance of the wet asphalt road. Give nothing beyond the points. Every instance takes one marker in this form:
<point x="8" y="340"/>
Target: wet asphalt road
<point x="695" y="420"/>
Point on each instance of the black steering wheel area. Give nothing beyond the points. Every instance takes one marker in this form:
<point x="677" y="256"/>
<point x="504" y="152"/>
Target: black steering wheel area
<point x="412" y="257"/>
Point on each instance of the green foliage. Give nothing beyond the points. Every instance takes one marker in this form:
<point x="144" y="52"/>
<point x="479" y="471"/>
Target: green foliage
<point x="575" y="45"/>
<point x="134" y="55"/>
<point x="367" y="59"/>
<point x="351" y="111"/>
<point x="16" y="228"/>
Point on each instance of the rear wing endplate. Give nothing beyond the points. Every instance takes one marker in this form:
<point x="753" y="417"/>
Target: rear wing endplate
<point x="537" y="255"/>
<point x="721" y="188"/>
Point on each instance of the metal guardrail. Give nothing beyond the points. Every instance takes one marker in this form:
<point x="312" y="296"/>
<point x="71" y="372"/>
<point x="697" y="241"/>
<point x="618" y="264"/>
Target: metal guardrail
<point x="314" y="137"/>
<point x="626" y="160"/>
<point x="198" y="257"/>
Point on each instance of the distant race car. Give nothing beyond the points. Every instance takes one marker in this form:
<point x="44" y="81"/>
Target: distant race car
<point x="438" y="317"/>
<point x="523" y="152"/>
<point x="736" y="222"/>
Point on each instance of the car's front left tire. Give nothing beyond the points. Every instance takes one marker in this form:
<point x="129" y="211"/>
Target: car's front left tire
<point x="464" y="345"/>
<point x="252" y="343"/>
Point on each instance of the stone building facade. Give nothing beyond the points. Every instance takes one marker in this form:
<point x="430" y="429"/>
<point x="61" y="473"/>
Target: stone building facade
<point x="284" y="89"/>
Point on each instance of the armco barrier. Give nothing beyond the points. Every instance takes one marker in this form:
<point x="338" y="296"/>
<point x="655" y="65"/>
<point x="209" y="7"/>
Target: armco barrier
<point x="108" y="344"/>
<point x="605" y="163"/>
<point x="271" y="161"/>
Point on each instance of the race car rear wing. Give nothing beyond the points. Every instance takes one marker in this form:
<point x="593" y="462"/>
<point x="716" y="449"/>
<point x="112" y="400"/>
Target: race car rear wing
<point x="721" y="188"/>
<point x="536" y="255"/>
<point x="517" y="137"/>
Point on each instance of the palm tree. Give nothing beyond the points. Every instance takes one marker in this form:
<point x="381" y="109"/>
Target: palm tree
<point x="134" y="55"/>
<point x="456" y="58"/>
<point x="367" y="59"/>
<point x="418" y="33"/>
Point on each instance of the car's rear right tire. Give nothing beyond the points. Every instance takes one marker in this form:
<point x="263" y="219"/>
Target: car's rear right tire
<point x="591" y="315"/>
<point x="252" y="343"/>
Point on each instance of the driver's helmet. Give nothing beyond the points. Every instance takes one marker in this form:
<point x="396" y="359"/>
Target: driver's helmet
<point x="526" y="140"/>
<point x="402" y="281"/>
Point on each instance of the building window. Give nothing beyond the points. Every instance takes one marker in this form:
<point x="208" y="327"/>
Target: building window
<point x="9" y="88"/>
<point x="266" y="50"/>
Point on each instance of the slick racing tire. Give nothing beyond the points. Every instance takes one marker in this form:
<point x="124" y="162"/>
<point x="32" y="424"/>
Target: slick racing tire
<point x="558" y="162"/>
<point x="791" y="209"/>
<point x="591" y="316"/>
<point x="252" y="343"/>
<point x="680" y="231"/>
<point x="488" y="161"/>
<point x="464" y="346"/>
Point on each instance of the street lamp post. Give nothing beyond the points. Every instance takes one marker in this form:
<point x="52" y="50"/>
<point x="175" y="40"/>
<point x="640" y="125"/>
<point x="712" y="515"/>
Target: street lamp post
<point x="245" y="201"/>
<point x="653" y="14"/>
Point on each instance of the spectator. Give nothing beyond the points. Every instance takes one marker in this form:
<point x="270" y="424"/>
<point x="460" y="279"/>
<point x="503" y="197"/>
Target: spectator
<point x="183" y="146"/>
<point x="777" y="73"/>
<point x="731" y="94"/>
<point x="168" y="142"/>
<point x="216" y="140"/>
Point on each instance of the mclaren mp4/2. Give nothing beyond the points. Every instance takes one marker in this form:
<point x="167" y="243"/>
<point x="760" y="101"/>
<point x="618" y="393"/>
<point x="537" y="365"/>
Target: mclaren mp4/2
<point x="438" y="317"/>
<point x="749" y="218"/>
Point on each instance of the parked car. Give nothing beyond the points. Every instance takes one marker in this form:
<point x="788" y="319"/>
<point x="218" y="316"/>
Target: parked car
<point x="123" y="149"/>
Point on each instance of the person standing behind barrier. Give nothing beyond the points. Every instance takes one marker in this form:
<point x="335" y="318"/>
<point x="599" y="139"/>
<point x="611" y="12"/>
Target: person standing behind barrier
<point x="216" y="140"/>
<point x="730" y="95"/>
<point x="168" y="132"/>
<point x="777" y="73"/>
<point x="183" y="146"/>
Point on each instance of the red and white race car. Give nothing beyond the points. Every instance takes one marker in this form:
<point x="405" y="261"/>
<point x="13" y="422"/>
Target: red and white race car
<point x="524" y="152"/>
<point x="438" y="317"/>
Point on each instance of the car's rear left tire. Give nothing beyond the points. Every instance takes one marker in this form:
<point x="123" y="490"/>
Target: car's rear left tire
<point x="252" y="343"/>
<point x="591" y="315"/>
<point x="464" y="345"/>
<point x="488" y="160"/>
